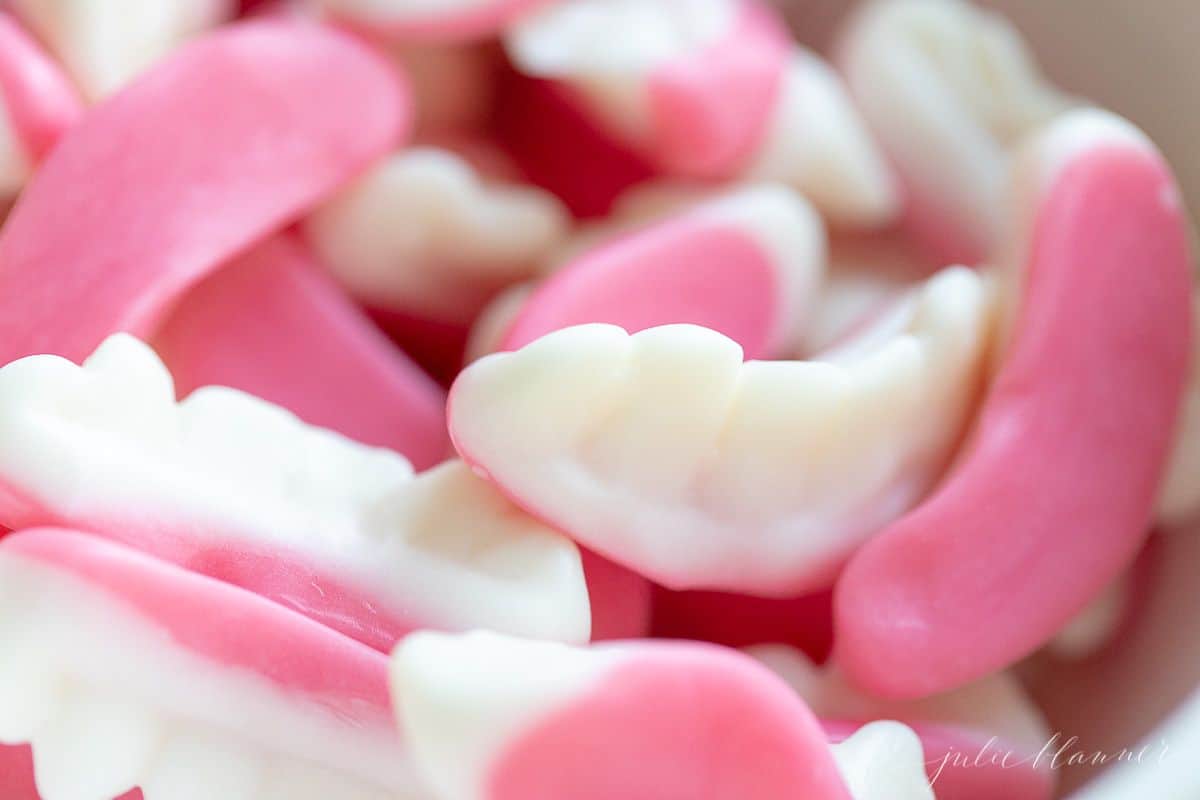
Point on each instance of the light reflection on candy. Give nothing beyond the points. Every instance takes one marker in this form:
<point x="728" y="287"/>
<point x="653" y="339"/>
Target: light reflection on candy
<point x="122" y="670"/>
<point x="37" y="105"/>
<point x="493" y="718"/>
<point x="236" y="489"/>
<point x="666" y="453"/>
<point x="949" y="90"/>
<point x="1054" y="493"/>
<point x="711" y="89"/>
<point x="105" y="43"/>
<point x="981" y="741"/>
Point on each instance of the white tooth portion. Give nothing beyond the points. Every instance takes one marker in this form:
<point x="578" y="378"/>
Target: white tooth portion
<point x="105" y="43"/>
<point x="792" y="234"/>
<point x="199" y="767"/>
<point x="608" y="49"/>
<point x="31" y="693"/>
<point x="883" y="761"/>
<point x="1179" y="501"/>
<point x="15" y="164"/>
<point x="1095" y="626"/>
<point x="818" y="142"/>
<point x="997" y="705"/>
<point x="135" y="690"/>
<point x="461" y="699"/>
<point x="950" y="90"/>
<point x="663" y="451"/>
<point x="423" y="232"/>
<point x="94" y="748"/>
<point x="89" y="443"/>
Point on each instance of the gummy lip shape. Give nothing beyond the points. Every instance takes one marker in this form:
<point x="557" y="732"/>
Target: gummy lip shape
<point x="667" y="454"/>
<point x="982" y="741"/>
<point x="431" y="20"/>
<point x="1054" y="493"/>
<point x="121" y="670"/>
<point x="425" y="233"/>
<point x="155" y="198"/>
<point x="494" y="718"/>
<point x="949" y="90"/>
<point x="237" y="489"/>
<point x="37" y="105"/>
<point x="746" y="265"/>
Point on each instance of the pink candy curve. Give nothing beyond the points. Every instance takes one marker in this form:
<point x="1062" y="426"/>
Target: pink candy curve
<point x="272" y="323"/>
<point x="1054" y="494"/>
<point x="673" y="720"/>
<point x="37" y="95"/>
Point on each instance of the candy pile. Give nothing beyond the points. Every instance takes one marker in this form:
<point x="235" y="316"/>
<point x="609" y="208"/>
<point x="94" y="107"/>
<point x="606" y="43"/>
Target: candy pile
<point x="581" y="399"/>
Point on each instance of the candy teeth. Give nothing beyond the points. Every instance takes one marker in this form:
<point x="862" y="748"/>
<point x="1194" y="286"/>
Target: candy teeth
<point x="106" y="448"/>
<point x="422" y="233"/>
<point x="949" y="90"/>
<point x="663" y="452"/>
<point x="105" y="44"/>
<point x="144" y="708"/>
<point x="1179" y="501"/>
<point x="746" y="264"/>
<point x="1078" y="422"/>
<point x="817" y="142"/>
<point x="494" y="718"/>
<point x="883" y="761"/>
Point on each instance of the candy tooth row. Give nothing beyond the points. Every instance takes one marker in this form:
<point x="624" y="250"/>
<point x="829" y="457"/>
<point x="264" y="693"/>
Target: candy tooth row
<point x="117" y="681"/>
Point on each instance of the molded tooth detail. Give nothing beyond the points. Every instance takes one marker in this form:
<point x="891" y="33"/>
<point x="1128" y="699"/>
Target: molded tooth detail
<point x="31" y="692"/>
<point x="200" y="767"/>
<point x="94" y="748"/>
<point x="884" y="761"/>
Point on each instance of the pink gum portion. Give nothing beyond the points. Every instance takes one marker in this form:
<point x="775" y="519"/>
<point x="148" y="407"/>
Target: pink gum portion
<point x="674" y="721"/>
<point x="965" y="765"/>
<point x="482" y="19"/>
<point x="219" y="145"/>
<point x="560" y="148"/>
<point x="273" y="324"/>
<point x="37" y="95"/>
<point x="1053" y="495"/>
<point x="711" y="109"/>
<point x="683" y="270"/>
<point x="227" y="626"/>
<point x="741" y="621"/>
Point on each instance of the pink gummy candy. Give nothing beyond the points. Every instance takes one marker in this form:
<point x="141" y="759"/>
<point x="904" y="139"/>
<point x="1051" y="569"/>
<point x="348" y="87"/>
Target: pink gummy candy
<point x="35" y="93"/>
<point x="1053" y="496"/>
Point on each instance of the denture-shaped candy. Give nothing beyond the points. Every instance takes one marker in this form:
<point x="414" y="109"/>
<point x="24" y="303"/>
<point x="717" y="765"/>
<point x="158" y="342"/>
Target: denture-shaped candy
<point x="494" y="718"/>
<point x="665" y="452"/>
<point x="711" y="89"/>
<point x="37" y="105"/>
<point x="746" y="265"/>
<point x="234" y="488"/>
<point x="422" y="233"/>
<point x="430" y="20"/>
<point x="1054" y="494"/>
<point x="124" y="671"/>
<point x="105" y="43"/>
<point x="949" y="90"/>
<point x="982" y="741"/>
<point x="159" y="195"/>
<point x="274" y="324"/>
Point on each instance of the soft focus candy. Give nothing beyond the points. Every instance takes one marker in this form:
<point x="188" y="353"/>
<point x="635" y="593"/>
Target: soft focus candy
<point x="124" y="671"/>
<point x="1179" y="501"/>
<point x="105" y="43"/>
<point x="234" y="488"/>
<point x="1055" y="492"/>
<point x="711" y="89"/>
<point x="949" y="90"/>
<point x="274" y="324"/>
<point x="36" y="106"/>
<point x="493" y="718"/>
<point x="982" y="741"/>
<point x="430" y="20"/>
<point x="666" y="453"/>
<point x="746" y="265"/>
